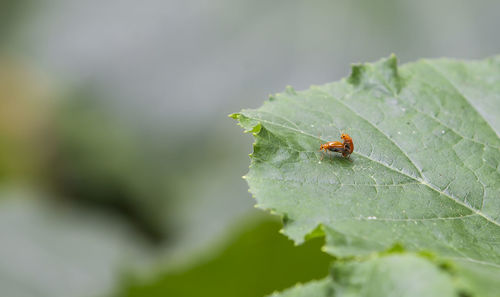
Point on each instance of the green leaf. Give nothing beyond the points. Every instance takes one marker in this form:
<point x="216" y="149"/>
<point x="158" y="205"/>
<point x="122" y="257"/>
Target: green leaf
<point x="52" y="249"/>
<point x="323" y="288"/>
<point x="254" y="262"/>
<point x="425" y="171"/>
<point x="393" y="275"/>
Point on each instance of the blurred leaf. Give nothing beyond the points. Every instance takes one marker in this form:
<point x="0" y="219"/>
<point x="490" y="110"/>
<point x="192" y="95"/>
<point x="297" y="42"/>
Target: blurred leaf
<point x="425" y="171"/>
<point x="255" y="262"/>
<point x="102" y="159"/>
<point x="60" y="251"/>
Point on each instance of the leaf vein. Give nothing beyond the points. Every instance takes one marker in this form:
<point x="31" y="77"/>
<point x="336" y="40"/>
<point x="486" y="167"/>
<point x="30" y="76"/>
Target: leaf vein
<point x="467" y="100"/>
<point x="430" y="186"/>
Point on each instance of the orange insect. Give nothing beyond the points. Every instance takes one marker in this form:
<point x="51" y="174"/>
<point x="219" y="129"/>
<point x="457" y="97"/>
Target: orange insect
<point x="346" y="148"/>
<point x="348" y="145"/>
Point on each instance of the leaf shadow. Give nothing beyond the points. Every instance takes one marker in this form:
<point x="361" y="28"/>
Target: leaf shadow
<point x="338" y="159"/>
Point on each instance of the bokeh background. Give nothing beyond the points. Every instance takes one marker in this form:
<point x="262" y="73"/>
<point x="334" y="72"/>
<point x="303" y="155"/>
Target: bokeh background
<point x="120" y="172"/>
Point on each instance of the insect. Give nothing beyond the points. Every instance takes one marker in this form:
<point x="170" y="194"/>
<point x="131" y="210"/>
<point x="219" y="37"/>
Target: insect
<point x="348" y="145"/>
<point x="346" y="148"/>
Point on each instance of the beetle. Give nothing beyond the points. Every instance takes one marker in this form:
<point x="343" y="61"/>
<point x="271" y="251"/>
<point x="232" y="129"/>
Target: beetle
<point x="346" y="148"/>
<point x="348" y="145"/>
<point x="333" y="146"/>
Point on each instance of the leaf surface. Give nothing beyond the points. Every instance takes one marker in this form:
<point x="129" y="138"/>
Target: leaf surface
<point x="425" y="169"/>
<point x="389" y="276"/>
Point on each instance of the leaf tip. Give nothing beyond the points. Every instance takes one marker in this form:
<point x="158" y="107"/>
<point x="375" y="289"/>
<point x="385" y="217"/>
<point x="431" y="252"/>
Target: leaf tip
<point x="290" y="90"/>
<point x="393" y="60"/>
<point x="392" y="64"/>
<point x="235" y="115"/>
<point x="385" y="69"/>
<point x="319" y="231"/>
<point x="356" y="74"/>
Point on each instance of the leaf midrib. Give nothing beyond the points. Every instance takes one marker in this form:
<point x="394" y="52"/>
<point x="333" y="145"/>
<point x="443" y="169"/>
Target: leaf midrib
<point x="430" y="186"/>
<point x="378" y="129"/>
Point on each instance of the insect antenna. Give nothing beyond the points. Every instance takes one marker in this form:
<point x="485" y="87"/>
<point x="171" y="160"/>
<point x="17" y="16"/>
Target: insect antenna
<point x="320" y="150"/>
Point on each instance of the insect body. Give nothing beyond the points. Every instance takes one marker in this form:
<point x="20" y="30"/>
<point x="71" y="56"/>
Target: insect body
<point x="345" y="148"/>
<point x="333" y="146"/>
<point x="348" y="145"/>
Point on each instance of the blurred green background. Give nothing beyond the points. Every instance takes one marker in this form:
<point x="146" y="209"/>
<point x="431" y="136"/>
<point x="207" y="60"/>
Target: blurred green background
<point x="120" y="173"/>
